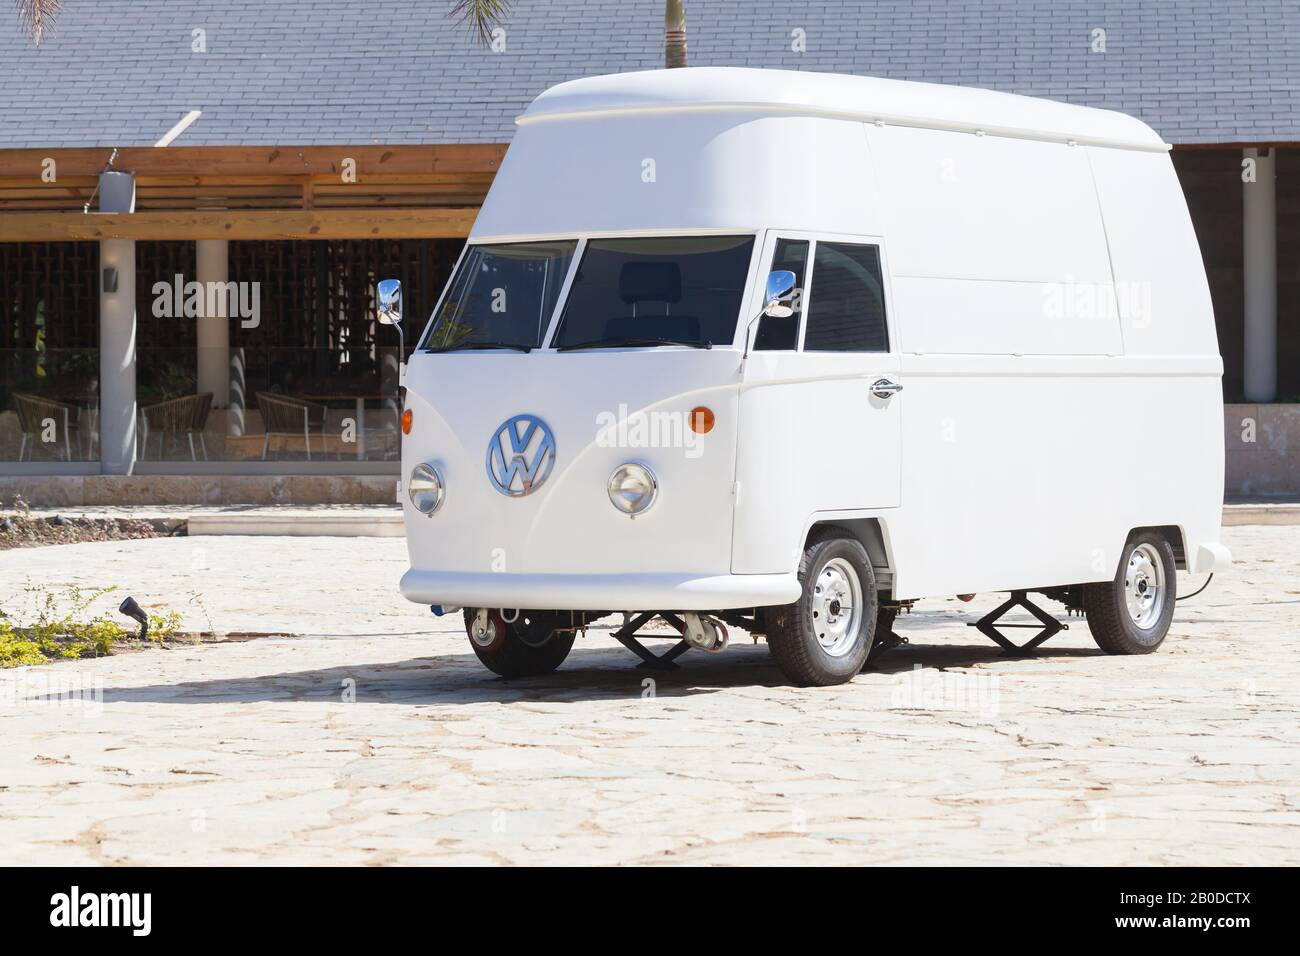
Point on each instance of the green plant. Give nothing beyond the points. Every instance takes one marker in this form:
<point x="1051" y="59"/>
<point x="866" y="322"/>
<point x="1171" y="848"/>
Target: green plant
<point x="161" y="379"/>
<point x="49" y="630"/>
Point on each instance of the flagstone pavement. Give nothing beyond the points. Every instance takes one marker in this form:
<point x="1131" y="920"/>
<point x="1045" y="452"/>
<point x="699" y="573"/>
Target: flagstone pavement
<point x="367" y="732"/>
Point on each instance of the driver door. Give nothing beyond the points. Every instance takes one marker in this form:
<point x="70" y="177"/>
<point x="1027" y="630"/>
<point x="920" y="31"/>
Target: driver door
<point x="820" y="407"/>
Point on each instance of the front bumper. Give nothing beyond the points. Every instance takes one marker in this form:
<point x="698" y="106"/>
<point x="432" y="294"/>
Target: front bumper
<point x="600" y="592"/>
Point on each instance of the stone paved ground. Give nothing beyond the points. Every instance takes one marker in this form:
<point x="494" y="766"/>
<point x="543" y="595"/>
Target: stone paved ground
<point x="246" y="751"/>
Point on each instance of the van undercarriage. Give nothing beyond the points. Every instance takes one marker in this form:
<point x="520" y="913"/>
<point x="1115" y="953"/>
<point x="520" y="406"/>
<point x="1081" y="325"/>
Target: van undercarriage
<point x="842" y="622"/>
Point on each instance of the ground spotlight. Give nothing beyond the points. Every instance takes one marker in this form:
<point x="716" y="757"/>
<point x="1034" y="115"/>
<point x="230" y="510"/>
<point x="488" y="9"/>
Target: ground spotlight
<point x="131" y="609"/>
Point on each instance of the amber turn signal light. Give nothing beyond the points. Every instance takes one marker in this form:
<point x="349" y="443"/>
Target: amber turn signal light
<point x="406" y="422"/>
<point x="701" y="420"/>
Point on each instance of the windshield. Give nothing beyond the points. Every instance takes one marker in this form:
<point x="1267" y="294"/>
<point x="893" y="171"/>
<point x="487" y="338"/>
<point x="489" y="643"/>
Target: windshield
<point x="502" y="296"/>
<point x="659" y="291"/>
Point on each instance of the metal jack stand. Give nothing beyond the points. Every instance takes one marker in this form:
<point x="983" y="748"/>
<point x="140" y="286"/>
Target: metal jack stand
<point x="626" y="635"/>
<point x="886" y="637"/>
<point x="988" y="625"/>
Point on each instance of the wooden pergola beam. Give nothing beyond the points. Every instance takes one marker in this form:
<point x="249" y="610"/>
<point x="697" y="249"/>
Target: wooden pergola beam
<point x="280" y="179"/>
<point x="436" y="222"/>
<point x="257" y="160"/>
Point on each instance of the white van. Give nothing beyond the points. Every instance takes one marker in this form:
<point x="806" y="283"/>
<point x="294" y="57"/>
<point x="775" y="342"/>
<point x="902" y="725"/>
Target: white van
<point x="790" y="351"/>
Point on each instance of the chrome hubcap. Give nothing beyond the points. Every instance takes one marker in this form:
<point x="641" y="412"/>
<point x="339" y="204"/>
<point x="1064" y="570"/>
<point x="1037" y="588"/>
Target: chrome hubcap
<point x="837" y="607"/>
<point x="1144" y="586"/>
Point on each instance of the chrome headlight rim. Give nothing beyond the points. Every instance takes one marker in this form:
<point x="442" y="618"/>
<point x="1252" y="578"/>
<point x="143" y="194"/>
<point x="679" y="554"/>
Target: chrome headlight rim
<point x="430" y="478"/>
<point x="615" y="487"/>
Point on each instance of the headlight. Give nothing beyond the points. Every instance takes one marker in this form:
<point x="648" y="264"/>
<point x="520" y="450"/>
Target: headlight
<point x="425" y="489"/>
<point x="632" y="488"/>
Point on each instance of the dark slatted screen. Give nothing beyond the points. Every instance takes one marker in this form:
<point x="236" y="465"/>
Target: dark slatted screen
<point x="53" y="285"/>
<point x="319" y="294"/>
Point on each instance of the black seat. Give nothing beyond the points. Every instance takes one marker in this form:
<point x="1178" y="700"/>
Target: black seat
<point x="640" y="282"/>
<point x="650" y="282"/>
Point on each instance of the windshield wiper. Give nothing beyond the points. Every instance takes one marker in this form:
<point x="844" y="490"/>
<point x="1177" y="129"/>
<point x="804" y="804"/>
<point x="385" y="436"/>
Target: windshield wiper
<point x="631" y="341"/>
<point x="462" y="346"/>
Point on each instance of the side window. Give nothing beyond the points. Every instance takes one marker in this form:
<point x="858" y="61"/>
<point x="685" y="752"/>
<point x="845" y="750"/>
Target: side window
<point x="774" y="334"/>
<point x="846" y="304"/>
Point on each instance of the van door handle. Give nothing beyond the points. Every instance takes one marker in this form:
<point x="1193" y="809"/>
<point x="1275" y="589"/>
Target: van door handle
<point x="884" y="388"/>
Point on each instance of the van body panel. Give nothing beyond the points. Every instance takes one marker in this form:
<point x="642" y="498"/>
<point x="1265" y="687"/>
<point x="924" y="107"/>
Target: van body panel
<point x="1033" y="473"/>
<point x="903" y="103"/>
<point x="983" y="207"/>
<point x="567" y="526"/>
<point x="1164" y="297"/>
<point x="812" y="439"/>
<point x="677" y="174"/>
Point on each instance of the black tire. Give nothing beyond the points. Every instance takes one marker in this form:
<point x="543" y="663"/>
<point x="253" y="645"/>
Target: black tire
<point x="1105" y="603"/>
<point x="529" y="647"/>
<point x="792" y="633"/>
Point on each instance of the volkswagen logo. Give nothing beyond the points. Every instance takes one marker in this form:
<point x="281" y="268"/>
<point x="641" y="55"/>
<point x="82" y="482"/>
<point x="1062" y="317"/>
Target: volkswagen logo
<point x="520" y="455"/>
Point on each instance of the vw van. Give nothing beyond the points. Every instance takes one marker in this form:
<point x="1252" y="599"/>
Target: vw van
<point x="789" y="352"/>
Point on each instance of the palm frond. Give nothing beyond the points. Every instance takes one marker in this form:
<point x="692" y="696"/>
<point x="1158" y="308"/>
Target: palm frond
<point x="481" y="16"/>
<point x="37" y="16"/>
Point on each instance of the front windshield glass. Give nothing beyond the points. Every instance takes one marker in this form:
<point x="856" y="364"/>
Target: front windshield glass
<point x="657" y="291"/>
<point x="502" y="296"/>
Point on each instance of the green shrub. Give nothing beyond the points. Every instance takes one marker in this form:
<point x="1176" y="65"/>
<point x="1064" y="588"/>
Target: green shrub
<point x="49" y="631"/>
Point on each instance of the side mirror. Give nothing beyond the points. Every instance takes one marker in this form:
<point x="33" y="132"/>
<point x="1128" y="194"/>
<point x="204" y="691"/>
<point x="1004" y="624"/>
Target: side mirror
<point x="390" y="301"/>
<point x="780" y="290"/>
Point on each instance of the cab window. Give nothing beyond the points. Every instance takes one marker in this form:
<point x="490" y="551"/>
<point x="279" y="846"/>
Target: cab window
<point x="502" y="296"/>
<point x="782" y="334"/>
<point x="846" y="302"/>
<point x="660" y="290"/>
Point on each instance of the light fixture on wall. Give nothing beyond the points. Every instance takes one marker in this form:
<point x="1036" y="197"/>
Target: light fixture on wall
<point x="110" y="279"/>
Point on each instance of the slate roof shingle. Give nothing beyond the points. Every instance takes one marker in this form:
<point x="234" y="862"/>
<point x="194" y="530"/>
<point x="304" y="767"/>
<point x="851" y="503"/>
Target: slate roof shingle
<point x="304" y="72"/>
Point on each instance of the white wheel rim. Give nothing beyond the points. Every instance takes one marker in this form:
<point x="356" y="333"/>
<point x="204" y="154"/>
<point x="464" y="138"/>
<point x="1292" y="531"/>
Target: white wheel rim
<point x="837" y="607"/>
<point x="1144" y="586"/>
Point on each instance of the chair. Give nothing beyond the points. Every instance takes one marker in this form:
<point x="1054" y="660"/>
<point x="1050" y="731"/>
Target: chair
<point x="202" y="407"/>
<point x="291" y="417"/>
<point x="174" y="416"/>
<point x="34" y="411"/>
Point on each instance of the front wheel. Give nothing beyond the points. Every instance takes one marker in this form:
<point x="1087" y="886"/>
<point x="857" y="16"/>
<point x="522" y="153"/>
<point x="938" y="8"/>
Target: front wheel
<point x="528" y="646"/>
<point x="823" y="639"/>
<point x="1132" y="614"/>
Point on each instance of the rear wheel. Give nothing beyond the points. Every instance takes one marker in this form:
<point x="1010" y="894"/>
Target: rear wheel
<point x="528" y="646"/>
<point x="824" y="638"/>
<point x="1132" y="614"/>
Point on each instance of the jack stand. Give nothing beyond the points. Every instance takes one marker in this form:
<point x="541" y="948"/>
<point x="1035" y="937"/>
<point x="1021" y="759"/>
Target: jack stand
<point x="1048" y="625"/>
<point x="626" y="635"/>
<point x="887" y="642"/>
<point x="886" y="637"/>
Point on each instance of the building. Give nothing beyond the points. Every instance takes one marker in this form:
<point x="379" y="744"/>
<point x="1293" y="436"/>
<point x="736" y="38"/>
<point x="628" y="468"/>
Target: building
<point x="302" y="150"/>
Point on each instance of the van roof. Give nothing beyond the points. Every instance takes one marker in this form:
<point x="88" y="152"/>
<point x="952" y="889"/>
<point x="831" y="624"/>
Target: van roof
<point x="865" y="98"/>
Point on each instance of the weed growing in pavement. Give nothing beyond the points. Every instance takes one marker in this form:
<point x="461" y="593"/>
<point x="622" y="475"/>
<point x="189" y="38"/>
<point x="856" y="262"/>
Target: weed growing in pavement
<point x="46" y="629"/>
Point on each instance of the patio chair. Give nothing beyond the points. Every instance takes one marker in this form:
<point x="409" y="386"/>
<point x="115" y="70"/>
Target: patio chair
<point x="287" y="416"/>
<point x="34" y="411"/>
<point x="202" y="408"/>
<point x="176" y="416"/>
